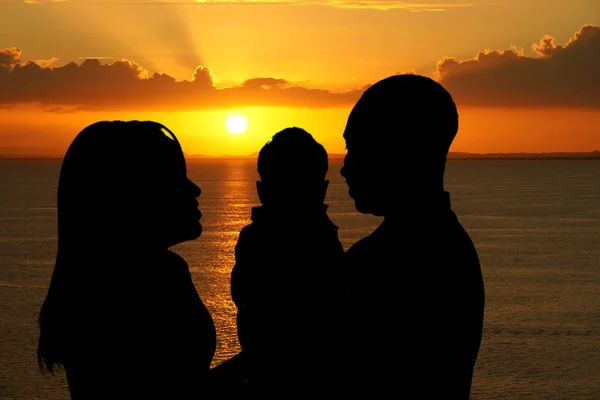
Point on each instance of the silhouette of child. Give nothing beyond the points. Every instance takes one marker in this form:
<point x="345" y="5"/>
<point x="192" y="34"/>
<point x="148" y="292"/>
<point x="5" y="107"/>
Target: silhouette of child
<point x="286" y="281"/>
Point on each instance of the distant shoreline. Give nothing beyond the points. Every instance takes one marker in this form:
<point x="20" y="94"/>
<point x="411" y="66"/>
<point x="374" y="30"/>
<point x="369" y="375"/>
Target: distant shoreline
<point x="593" y="155"/>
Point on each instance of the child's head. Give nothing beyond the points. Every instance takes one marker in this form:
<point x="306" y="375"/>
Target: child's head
<point x="292" y="168"/>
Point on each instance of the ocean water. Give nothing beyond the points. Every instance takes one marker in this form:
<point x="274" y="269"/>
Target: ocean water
<point x="535" y="223"/>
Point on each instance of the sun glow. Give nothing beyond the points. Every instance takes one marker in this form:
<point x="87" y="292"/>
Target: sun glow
<point x="236" y="124"/>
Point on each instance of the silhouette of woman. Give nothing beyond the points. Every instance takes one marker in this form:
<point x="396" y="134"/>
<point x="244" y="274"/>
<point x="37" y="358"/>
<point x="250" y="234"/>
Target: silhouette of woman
<point x="122" y="315"/>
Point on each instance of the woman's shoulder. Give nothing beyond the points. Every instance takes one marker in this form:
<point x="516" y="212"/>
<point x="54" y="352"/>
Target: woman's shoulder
<point x="173" y="258"/>
<point x="166" y="266"/>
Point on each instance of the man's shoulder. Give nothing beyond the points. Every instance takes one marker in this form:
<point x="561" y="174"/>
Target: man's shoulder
<point x="366" y="244"/>
<point x="247" y="231"/>
<point x="247" y="237"/>
<point x="359" y="246"/>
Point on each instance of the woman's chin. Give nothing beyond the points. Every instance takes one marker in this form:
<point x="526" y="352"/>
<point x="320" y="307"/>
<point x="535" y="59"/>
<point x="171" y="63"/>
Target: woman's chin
<point x="197" y="231"/>
<point x="192" y="232"/>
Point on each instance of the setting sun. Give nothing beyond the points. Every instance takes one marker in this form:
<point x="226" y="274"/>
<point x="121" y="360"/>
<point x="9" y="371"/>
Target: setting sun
<point x="236" y="124"/>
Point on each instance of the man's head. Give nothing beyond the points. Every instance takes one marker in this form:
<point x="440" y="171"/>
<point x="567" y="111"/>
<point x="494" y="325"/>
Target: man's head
<point x="398" y="136"/>
<point x="292" y="168"/>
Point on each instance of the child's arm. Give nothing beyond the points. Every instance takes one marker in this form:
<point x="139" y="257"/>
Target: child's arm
<point x="241" y="283"/>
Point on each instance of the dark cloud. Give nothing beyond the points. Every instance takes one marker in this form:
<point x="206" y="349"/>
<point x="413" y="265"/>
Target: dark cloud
<point x="265" y="83"/>
<point x="125" y="85"/>
<point x="556" y="76"/>
<point x="10" y="56"/>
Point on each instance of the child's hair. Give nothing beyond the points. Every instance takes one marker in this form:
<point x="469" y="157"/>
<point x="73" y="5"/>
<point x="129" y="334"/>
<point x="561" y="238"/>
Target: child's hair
<point x="292" y="155"/>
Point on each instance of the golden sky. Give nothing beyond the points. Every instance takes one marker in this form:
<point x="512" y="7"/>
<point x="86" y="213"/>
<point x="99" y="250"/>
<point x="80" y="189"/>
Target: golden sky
<point x="524" y="74"/>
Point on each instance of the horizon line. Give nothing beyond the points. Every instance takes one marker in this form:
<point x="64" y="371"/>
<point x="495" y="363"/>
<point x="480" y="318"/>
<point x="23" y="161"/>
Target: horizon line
<point x="451" y="155"/>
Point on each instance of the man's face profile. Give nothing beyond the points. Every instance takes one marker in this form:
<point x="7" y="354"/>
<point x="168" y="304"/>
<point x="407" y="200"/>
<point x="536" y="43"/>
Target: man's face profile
<point x="363" y="165"/>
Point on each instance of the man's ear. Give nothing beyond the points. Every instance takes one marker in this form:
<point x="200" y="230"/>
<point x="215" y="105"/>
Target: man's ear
<point x="263" y="196"/>
<point x="259" y="190"/>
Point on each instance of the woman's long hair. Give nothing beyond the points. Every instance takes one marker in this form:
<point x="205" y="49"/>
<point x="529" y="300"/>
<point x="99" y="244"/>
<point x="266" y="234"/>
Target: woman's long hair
<point x="102" y="175"/>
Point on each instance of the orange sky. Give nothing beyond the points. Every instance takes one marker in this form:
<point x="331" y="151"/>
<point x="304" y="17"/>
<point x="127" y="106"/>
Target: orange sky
<point x="523" y="73"/>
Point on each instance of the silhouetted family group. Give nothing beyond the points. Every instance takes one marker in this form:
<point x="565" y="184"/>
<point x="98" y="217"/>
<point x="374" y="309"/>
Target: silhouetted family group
<point x="399" y="315"/>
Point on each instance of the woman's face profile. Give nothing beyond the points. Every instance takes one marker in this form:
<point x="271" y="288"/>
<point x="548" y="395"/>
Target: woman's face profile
<point x="126" y="184"/>
<point x="174" y="215"/>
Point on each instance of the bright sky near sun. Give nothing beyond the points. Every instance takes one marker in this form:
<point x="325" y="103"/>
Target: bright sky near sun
<point x="524" y="73"/>
<point x="236" y="124"/>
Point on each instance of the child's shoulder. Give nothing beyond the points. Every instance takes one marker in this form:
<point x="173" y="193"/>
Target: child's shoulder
<point x="247" y="231"/>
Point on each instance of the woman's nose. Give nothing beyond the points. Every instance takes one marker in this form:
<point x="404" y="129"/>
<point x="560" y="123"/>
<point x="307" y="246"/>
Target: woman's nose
<point x="195" y="188"/>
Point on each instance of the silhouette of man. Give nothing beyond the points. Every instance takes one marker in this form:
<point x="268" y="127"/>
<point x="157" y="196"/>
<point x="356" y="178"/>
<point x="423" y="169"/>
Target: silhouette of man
<point x="415" y="289"/>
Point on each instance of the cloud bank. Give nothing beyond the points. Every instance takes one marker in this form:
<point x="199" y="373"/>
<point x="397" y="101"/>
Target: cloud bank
<point x="556" y="76"/>
<point x="125" y="85"/>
